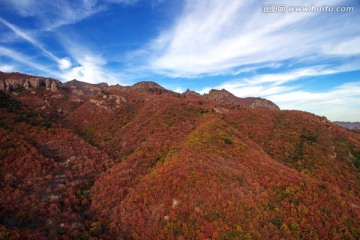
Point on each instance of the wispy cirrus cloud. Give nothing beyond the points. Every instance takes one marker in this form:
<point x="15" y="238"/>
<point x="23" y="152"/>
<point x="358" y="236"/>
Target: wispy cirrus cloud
<point x="57" y="13"/>
<point x="28" y="61"/>
<point x="266" y="55"/>
<point x="90" y="68"/>
<point x="340" y="103"/>
<point x="347" y="47"/>
<point x="63" y="63"/>
<point x="223" y="44"/>
<point x="215" y="37"/>
<point x="49" y="16"/>
<point x="266" y="84"/>
<point x="285" y="89"/>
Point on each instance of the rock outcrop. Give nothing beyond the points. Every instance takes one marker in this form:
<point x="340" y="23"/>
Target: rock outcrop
<point x="15" y="81"/>
<point x="147" y="86"/>
<point x="81" y="88"/>
<point x="224" y="96"/>
<point x="2" y="85"/>
<point x="188" y="92"/>
<point x="220" y="96"/>
<point x="263" y="103"/>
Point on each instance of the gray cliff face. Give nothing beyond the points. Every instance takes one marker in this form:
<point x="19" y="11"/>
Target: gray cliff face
<point x="10" y="85"/>
<point x="224" y="96"/>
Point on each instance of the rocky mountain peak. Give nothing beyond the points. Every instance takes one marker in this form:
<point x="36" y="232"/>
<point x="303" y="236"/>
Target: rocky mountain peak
<point x="262" y="103"/>
<point x="219" y="95"/>
<point x="225" y="96"/>
<point x="81" y="88"/>
<point x="148" y="86"/>
<point x="188" y="92"/>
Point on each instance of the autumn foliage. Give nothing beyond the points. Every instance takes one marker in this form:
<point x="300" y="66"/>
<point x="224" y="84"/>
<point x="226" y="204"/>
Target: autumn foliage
<point x="118" y="162"/>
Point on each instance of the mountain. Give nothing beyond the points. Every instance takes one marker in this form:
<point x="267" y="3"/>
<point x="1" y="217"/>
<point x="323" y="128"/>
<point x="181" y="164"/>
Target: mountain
<point x="147" y="86"/>
<point x="351" y="126"/>
<point x="93" y="161"/>
<point x="224" y="96"/>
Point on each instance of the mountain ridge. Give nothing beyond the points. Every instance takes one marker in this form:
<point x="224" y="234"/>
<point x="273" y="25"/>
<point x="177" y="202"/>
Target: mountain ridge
<point x="11" y="82"/>
<point x="110" y="162"/>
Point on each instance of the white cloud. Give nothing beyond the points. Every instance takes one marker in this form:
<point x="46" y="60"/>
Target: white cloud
<point x="65" y="63"/>
<point x="264" y="85"/>
<point x="7" y="68"/>
<point x="29" y="38"/>
<point x="88" y="66"/>
<point x="348" y="47"/>
<point x="179" y="90"/>
<point x="340" y="103"/>
<point x="82" y="64"/>
<point x="27" y="61"/>
<point x="128" y="2"/>
<point x="174" y="88"/>
<point x="214" y="37"/>
<point x="280" y="78"/>
<point x="56" y="13"/>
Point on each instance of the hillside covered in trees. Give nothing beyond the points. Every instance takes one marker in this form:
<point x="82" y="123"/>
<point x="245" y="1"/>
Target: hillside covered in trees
<point x="92" y="161"/>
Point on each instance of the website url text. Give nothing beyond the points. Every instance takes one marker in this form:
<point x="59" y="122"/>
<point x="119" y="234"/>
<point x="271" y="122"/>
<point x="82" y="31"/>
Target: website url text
<point x="282" y="8"/>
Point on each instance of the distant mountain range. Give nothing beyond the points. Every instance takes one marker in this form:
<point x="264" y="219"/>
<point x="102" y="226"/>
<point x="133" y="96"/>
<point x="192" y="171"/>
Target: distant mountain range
<point x="349" y="125"/>
<point x="93" y="161"/>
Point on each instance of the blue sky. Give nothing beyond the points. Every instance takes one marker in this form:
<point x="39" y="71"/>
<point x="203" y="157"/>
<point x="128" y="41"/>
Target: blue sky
<point x="307" y="61"/>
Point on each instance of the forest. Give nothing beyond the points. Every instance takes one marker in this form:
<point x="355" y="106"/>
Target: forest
<point x="92" y="161"/>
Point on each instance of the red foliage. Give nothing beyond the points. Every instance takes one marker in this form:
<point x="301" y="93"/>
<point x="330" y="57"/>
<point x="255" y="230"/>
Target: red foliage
<point x="135" y="163"/>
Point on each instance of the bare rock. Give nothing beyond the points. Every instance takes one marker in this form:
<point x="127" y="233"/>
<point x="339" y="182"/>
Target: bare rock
<point x="188" y="92"/>
<point x="263" y="103"/>
<point x="58" y="96"/>
<point x="83" y="88"/>
<point x="13" y="84"/>
<point x="220" y="95"/>
<point x="2" y="85"/>
<point x="36" y="82"/>
<point x="224" y="96"/>
<point x="54" y="87"/>
<point x="27" y="85"/>
<point x="98" y="103"/>
<point x="120" y="99"/>
<point x="220" y="110"/>
<point x="147" y="86"/>
<point x="48" y="83"/>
